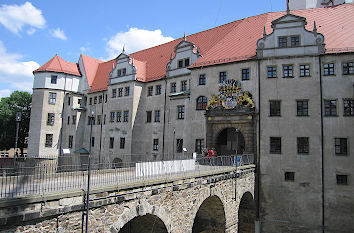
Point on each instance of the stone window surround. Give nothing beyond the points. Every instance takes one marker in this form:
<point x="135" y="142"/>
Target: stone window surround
<point x="288" y="71"/>
<point x="272" y="71"/>
<point x="305" y="70"/>
<point x="329" y="69"/>
<point x="348" y="68"/>
<point x="328" y="109"/>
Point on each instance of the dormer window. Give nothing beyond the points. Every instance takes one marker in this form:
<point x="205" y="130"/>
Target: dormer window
<point x="122" y="72"/>
<point x="183" y="63"/>
<point x="53" y="79"/>
<point x="295" y="41"/>
<point x="283" y="42"/>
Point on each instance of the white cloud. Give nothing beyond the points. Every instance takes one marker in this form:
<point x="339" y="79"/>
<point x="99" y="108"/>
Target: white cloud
<point x="15" y="73"/>
<point x="31" y="31"/>
<point x="134" y="40"/>
<point x="58" y="33"/>
<point x="14" y="17"/>
<point x="5" y="93"/>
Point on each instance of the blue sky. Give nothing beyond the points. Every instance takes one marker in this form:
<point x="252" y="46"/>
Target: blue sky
<point x="32" y="32"/>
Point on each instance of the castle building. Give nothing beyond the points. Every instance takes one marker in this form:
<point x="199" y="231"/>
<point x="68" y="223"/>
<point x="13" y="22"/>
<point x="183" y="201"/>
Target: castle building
<point x="278" y="86"/>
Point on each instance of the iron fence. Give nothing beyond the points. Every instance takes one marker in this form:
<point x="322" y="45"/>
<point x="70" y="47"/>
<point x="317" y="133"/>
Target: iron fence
<point x="51" y="177"/>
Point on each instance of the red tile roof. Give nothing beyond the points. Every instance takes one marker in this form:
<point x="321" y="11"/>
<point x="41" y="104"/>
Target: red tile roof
<point x="90" y="66"/>
<point x="58" y="64"/>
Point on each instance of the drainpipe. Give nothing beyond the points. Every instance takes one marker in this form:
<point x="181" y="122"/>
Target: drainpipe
<point x="258" y="226"/>
<point x="164" y="122"/>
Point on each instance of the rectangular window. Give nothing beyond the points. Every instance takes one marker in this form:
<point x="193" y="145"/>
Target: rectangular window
<point x="122" y="143"/>
<point x="303" y="145"/>
<point x="271" y="71"/>
<point x="79" y="101"/>
<point x="119" y="116"/>
<point x="186" y="62"/>
<point x="105" y="98"/>
<point x="289" y="176"/>
<point x="179" y="145"/>
<point x="288" y="71"/>
<point x="202" y="80"/>
<point x="52" y="97"/>
<point x="71" y="138"/>
<point x="155" y="144"/>
<point x="90" y="102"/>
<point x="127" y="91"/>
<point x="120" y="92"/>
<point x="158" y="90"/>
<point x="100" y="99"/>
<point x="341" y="146"/>
<point x="119" y="73"/>
<point x="50" y="119"/>
<point x="222" y="76"/>
<point x="148" y="116"/>
<point x="348" y="107"/>
<point x="295" y="41"/>
<point x="150" y="91"/>
<point x="114" y="93"/>
<point x="180" y="63"/>
<point x="74" y="120"/>
<point x="68" y="120"/>
<point x="283" y="41"/>
<point x="348" y="68"/>
<point x="112" y="116"/>
<point x="302" y="107"/>
<point x="126" y="116"/>
<point x="275" y="145"/>
<point x="180" y="112"/>
<point x="99" y="119"/>
<point x="245" y="74"/>
<point x="104" y="119"/>
<point x="304" y="70"/>
<point x="183" y="63"/>
<point x="95" y="100"/>
<point x="48" y="140"/>
<point x="328" y="69"/>
<point x="53" y="79"/>
<point x="93" y="141"/>
<point x="342" y="179"/>
<point x="157" y="115"/>
<point x="274" y="109"/>
<point x="173" y="87"/>
<point x="330" y="107"/>
<point x="184" y="85"/>
<point x="122" y="72"/>
<point x="111" y="142"/>
<point x="69" y="101"/>
<point x="199" y="145"/>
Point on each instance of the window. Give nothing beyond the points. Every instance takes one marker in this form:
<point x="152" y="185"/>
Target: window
<point x="348" y="107"/>
<point x="105" y="98"/>
<point x="180" y="63"/>
<point x="342" y="179"/>
<point x="48" y="140"/>
<point x="93" y="119"/>
<point x="328" y="69"/>
<point x="90" y="102"/>
<point x="111" y="142"/>
<point x="173" y="87"/>
<point x="180" y="112"/>
<point x="74" y="120"/>
<point x="201" y="103"/>
<point x="104" y="119"/>
<point x="275" y="145"/>
<point x="71" y="138"/>
<point x="53" y="79"/>
<point x="50" y="119"/>
<point x="122" y="72"/>
<point x="126" y="116"/>
<point x="150" y="91"/>
<point x="100" y="99"/>
<point x="68" y="120"/>
<point x="155" y="144"/>
<point x="274" y="109"/>
<point x="245" y="74"/>
<point x="95" y="100"/>
<point x="287" y="71"/>
<point x="158" y="90"/>
<point x="93" y="141"/>
<point x="148" y="116"/>
<point x="295" y="41"/>
<point x="122" y="143"/>
<point x="348" y="68"/>
<point x="186" y="62"/>
<point x="183" y="63"/>
<point x="222" y="76"/>
<point x="304" y="70"/>
<point x="127" y="90"/>
<point x="119" y="116"/>
<point x="157" y="115"/>
<point x="52" y="97"/>
<point x="99" y="119"/>
<point x="289" y="176"/>
<point x="283" y="41"/>
<point x="179" y="147"/>
<point x="330" y="107"/>
<point x="112" y="116"/>
<point x="303" y="145"/>
<point x="272" y="72"/>
<point x="79" y="101"/>
<point x="199" y="145"/>
<point x="69" y="101"/>
<point x="202" y="80"/>
<point x="341" y="146"/>
<point x="184" y="85"/>
<point x="302" y="107"/>
<point x="120" y="92"/>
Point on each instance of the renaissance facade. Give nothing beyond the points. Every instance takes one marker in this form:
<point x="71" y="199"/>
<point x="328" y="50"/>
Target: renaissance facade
<point x="280" y="83"/>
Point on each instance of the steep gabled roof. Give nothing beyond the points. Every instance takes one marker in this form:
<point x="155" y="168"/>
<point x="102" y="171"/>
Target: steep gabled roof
<point x="58" y="64"/>
<point x="90" y="66"/>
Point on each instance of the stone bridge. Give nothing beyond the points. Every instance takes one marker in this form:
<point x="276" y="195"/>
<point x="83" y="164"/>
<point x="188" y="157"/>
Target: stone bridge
<point x="211" y="201"/>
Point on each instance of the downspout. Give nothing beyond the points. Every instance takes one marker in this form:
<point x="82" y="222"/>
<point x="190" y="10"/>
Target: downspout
<point x="164" y="122"/>
<point x="258" y="222"/>
<point x="62" y="119"/>
<point x="101" y="125"/>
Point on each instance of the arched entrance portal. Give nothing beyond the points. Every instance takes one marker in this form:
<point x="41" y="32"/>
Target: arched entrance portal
<point x="144" y="224"/>
<point x="210" y="217"/>
<point x="246" y="214"/>
<point x="227" y="141"/>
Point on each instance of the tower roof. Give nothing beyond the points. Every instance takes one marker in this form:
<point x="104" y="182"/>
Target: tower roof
<point x="58" y="64"/>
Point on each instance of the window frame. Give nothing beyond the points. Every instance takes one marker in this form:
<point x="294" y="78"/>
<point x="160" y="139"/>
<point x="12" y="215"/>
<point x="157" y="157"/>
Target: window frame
<point x="348" y="107"/>
<point x="341" y="148"/>
<point x="289" y="176"/>
<point x="275" y="145"/>
<point x="112" y="116"/>
<point x="126" y="91"/>
<point x="179" y="145"/>
<point x="348" y="68"/>
<point x="275" y="108"/>
<point x="202" y="80"/>
<point x="52" y="98"/>
<point x="245" y="74"/>
<point x="53" y="79"/>
<point x="329" y="69"/>
<point x="296" y="42"/>
<point x="150" y="90"/>
<point x="303" y="145"/>
<point x="50" y="118"/>
<point x="122" y="143"/>
<point x="157" y="116"/>
<point x="342" y="179"/>
<point x="126" y="116"/>
<point x="48" y="140"/>
<point x="173" y="87"/>
<point x="148" y="116"/>
<point x="180" y="112"/>
<point x="155" y="144"/>
<point x="119" y="116"/>
<point x="301" y="109"/>
<point x="282" y="42"/>
<point x="201" y="102"/>
<point x="158" y="89"/>
<point x="305" y="70"/>
<point x="111" y="143"/>
<point x="272" y="72"/>
<point x="120" y="92"/>
<point x="71" y="141"/>
<point x="184" y="85"/>
<point x="329" y="107"/>
<point x="199" y="145"/>
<point x="288" y="71"/>
<point x="222" y="76"/>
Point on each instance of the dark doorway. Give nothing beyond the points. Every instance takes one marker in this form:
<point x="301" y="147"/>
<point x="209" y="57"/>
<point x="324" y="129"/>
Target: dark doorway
<point x="144" y="224"/>
<point x="227" y="141"/>
<point x="246" y="214"/>
<point x="210" y="217"/>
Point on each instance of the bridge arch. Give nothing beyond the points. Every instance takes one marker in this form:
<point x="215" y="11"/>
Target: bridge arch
<point x="145" y="223"/>
<point x="246" y="213"/>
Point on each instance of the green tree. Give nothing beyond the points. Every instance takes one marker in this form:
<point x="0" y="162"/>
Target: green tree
<point x="18" y="101"/>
